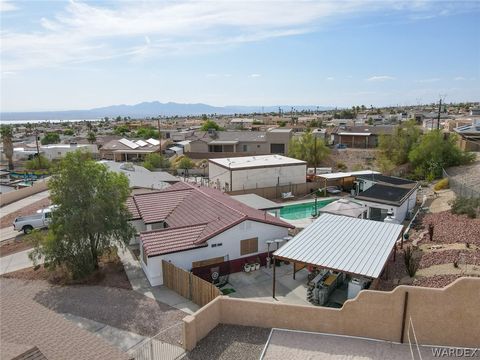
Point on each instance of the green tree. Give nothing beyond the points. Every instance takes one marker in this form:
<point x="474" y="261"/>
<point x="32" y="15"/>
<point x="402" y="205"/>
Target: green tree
<point x="51" y="138"/>
<point x="156" y="161"/>
<point x="185" y="164"/>
<point x="147" y="133"/>
<point x="395" y="148"/>
<point x="69" y="132"/>
<point x="7" y="138"/>
<point x="210" y="125"/>
<point x="434" y="152"/>
<point x="121" y="130"/>
<point x="91" y="217"/>
<point x="38" y="163"/>
<point x="91" y="137"/>
<point x="308" y="148"/>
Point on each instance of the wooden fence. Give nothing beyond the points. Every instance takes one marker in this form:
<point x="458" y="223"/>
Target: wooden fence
<point x="188" y="285"/>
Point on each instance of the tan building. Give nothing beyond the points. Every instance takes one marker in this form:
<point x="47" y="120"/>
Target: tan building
<point x="239" y="143"/>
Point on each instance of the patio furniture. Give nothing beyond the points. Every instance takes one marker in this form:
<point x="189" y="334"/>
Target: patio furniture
<point x="287" y="195"/>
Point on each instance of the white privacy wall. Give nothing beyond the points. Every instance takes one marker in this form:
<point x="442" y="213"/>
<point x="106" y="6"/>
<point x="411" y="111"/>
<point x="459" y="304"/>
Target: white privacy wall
<point x="230" y="240"/>
<point x="242" y="179"/>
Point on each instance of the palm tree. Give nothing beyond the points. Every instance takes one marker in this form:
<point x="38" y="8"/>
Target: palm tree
<point x="7" y="135"/>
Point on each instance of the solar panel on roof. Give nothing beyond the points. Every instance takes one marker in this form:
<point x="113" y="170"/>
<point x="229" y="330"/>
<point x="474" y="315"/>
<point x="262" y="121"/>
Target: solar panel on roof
<point x="129" y="143"/>
<point x="153" y="141"/>
<point x="141" y="143"/>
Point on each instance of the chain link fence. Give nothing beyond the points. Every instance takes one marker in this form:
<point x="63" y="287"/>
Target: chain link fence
<point x="163" y="346"/>
<point x="463" y="186"/>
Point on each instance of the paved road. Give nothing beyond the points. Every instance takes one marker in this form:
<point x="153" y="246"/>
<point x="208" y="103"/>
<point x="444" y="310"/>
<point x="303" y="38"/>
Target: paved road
<point x="15" y="262"/>
<point x="20" y="204"/>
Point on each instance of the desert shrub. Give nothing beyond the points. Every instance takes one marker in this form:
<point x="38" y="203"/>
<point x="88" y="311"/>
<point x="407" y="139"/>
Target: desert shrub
<point x="467" y="206"/>
<point x="442" y="184"/>
<point x="411" y="263"/>
<point x="341" y="166"/>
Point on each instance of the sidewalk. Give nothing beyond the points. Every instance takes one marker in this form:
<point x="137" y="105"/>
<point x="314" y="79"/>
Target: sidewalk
<point x="20" y="204"/>
<point x="15" y="262"/>
<point x="141" y="285"/>
<point x="9" y="233"/>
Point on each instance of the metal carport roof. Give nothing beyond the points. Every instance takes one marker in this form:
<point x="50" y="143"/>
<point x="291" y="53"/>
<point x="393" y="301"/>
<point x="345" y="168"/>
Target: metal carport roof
<point x="346" y="244"/>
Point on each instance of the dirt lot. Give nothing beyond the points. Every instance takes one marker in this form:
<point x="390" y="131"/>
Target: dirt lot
<point x="12" y="246"/>
<point x="7" y="220"/>
<point x="354" y="159"/>
<point x="110" y="274"/>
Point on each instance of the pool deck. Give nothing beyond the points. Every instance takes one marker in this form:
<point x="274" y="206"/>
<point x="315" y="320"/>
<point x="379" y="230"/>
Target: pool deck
<point x="304" y="201"/>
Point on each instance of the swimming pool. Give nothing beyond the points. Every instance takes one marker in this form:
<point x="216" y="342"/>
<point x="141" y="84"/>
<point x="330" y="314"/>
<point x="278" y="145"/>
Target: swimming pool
<point x="303" y="210"/>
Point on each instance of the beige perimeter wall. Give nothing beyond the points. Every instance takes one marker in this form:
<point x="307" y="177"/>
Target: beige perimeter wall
<point x="12" y="196"/>
<point x="448" y="316"/>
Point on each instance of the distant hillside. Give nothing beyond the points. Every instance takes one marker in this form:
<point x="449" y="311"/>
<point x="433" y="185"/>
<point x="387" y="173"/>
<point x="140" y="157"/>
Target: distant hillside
<point x="148" y="109"/>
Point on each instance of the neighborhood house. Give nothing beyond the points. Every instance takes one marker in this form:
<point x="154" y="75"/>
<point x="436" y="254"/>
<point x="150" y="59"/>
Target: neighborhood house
<point x="253" y="172"/>
<point x="193" y="227"/>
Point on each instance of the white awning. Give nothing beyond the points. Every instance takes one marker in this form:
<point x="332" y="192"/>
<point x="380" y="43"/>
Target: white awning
<point x="339" y="175"/>
<point x="346" y="244"/>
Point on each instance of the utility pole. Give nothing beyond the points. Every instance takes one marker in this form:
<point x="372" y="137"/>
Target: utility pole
<point x="36" y="142"/>
<point x="159" y="133"/>
<point x="439" y="110"/>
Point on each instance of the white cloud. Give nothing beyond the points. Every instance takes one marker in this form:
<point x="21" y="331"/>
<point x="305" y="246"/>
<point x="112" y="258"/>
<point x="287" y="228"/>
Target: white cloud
<point x="84" y="32"/>
<point x="6" y="5"/>
<point x="330" y="78"/>
<point x="254" y="75"/>
<point x="426" y="81"/>
<point x="459" y="78"/>
<point x="380" y="78"/>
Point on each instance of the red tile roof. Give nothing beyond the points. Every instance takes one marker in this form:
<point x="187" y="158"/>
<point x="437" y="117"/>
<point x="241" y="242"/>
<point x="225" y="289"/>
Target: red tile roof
<point x="133" y="209"/>
<point x="193" y="215"/>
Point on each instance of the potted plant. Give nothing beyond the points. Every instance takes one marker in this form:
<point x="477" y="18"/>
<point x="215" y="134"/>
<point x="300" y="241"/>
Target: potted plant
<point x="246" y="267"/>
<point x="257" y="264"/>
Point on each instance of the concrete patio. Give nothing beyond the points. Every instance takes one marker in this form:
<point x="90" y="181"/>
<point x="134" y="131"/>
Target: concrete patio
<point x="257" y="285"/>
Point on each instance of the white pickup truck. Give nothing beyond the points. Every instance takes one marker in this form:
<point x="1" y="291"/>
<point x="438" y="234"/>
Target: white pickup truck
<point x="36" y="221"/>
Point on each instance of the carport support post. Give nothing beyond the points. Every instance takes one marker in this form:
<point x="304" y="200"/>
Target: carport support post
<point x="274" y="267"/>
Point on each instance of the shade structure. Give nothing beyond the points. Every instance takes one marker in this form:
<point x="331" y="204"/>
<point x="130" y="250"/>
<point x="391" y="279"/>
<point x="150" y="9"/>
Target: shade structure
<point x="355" y="246"/>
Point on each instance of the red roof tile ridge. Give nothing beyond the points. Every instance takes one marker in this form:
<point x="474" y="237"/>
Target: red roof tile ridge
<point x="173" y="228"/>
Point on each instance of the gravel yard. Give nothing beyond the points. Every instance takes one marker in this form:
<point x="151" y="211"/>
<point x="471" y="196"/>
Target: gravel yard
<point x="227" y="342"/>
<point x="124" y="309"/>
<point x="436" y="281"/>
<point x="450" y="237"/>
<point x="450" y="228"/>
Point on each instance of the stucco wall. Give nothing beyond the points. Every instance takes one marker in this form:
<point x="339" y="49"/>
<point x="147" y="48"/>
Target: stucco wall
<point x="230" y="240"/>
<point x="12" y="196"/>
<point x="257" y="177"/>
<point x="449" y="316"/>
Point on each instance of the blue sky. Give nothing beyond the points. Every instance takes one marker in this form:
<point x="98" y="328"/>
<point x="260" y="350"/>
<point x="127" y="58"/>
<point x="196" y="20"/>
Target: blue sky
<point x="58" y="55"/>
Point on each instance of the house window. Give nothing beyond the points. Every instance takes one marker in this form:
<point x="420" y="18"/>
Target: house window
<point x="215" y="148"/>
<point x="144" y="256"/>
<point x="248" y="246"/>
<point x="277" y="148"/>
<point x="244" y="148"/>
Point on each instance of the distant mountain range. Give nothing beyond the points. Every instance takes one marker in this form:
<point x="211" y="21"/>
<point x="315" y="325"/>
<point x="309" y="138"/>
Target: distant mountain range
<point x="149" y="109"/>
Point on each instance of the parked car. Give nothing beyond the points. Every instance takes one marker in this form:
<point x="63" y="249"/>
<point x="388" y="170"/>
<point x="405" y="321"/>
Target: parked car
<point x="35" y="221"/>
<point x="341" y="146"/>
<point x="333" y="190"/>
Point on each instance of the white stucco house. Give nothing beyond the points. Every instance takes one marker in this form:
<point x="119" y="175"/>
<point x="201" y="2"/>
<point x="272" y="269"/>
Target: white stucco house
<point x="193" y="226"/>
<point x="253" y="172"/>
<point x="383" y="195"/>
